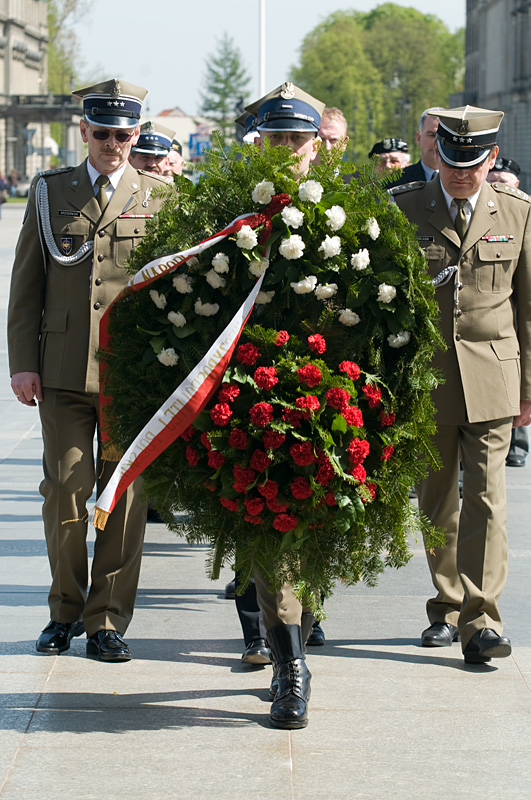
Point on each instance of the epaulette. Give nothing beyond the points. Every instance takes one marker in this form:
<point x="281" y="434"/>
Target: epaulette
<point x="55" y="171"/>
<point x="406" y="187"/>
<point x="505" y="188"/>
<point x="164" y="178"/>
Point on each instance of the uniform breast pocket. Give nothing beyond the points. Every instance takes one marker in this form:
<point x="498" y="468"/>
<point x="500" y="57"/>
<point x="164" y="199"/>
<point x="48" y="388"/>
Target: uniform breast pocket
<point x="494" y="266"/>
<point x="128" y="234"/>
<point x="70" y="233"/>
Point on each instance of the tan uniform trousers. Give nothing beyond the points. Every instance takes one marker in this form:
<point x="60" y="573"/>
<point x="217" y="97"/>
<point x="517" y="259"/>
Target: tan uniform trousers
<point x="469" y="573"/>
<point x="69" y="421"/>
<point x="282" y="607"/>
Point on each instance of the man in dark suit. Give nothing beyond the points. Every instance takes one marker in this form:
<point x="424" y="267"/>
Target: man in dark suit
<point x="80" y="227"/>
<point x="477" y="241"/>
<point x="426" y="167"/>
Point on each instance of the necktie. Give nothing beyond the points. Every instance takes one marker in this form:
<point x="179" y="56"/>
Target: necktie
<point x="102" y="181"/>
<point x="460" y="221"/>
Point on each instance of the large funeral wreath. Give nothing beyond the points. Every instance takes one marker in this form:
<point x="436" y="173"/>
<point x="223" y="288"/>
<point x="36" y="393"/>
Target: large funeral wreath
<point x="302" y="462"/>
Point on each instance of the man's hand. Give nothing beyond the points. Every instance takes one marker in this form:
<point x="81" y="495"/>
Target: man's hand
<point x="27" y="386"/>
<point x="524" y="417"/>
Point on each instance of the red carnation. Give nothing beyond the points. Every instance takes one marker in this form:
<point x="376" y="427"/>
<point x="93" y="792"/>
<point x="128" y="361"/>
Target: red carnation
<point x="192" y="456"/>
<point x="215" y="459"/>
<point x="309" y="375"/>
<point x="337" y="398"/>
<point x="353" y="416"/>
<point x="324" y="474"/>
<point x="254" y="505"/>
<point x="269" y="489"/>
<point x="317" y="343"/>
<point x="243" y="476"/>
<point x="261" y="414"/>
<point x="359" y="473"/>
<point x="272" y="440"/>
<point x="293" y="416"/>
<point x="253" y="520"/>
<point x="205" y="441"/>
<point x="265" y="377"/>
<point x="238" y="439"/>
<point x="220" y="414"/>
<point x="232" y="505"/>
<point x="300" y="488"/>
<point x="387" y="419"/>
<point x="282" y="338"/>
<point x="358" y="450"/>
<point x="188" y="433"/>
<point x="302" y="454"/>
<point x="309" y="402"/>
<point x="260" y="461"/>
<point x="210" y="486"/>
<point x="352" y="369"/>
<point x="373" y="394"/>
<point x="275" y="506"/>
<point x="372" y="489"/>
<point x="387" y="452"/>
<point x="330" y="499"/>
<point x="228" y="393"/>
<point x="285" y="522"/>
<point x="247" y="354"/>
<point x="240" y="487"/>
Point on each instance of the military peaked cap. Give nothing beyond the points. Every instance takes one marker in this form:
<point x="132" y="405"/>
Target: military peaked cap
<point x="154" y="139"/>
<point x="112" y="104"/>
<point x="287" y="108"/>
<point x="389" y="146"/>
<point x="466" y="135"/>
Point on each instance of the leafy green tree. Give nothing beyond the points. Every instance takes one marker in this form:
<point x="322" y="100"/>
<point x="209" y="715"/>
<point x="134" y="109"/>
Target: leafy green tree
<point x="382" y="68"/>
<point x="225" y="85"/>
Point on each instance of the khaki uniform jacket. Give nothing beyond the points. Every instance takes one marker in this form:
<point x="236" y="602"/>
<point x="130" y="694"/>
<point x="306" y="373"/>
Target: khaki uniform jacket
<point x="487" y="367"/>
<point x="55" y="309"/>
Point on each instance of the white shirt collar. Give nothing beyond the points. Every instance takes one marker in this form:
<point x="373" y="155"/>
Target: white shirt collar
<point x="114" y="177"/>
<point x="428" y="171"/>
<point x="469" y="205"/>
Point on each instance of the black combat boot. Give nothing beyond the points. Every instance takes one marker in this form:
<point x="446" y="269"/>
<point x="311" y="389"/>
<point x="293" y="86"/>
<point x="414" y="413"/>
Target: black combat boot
<point x="290" y="706"/>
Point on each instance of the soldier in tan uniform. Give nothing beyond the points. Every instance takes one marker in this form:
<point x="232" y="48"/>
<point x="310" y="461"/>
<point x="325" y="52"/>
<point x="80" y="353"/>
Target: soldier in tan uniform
<point x="477" y="241"/>
<point x="80" y="226"/>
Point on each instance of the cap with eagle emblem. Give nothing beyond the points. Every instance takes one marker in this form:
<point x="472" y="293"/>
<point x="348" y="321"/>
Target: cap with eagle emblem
<point x="112" y="104"/>
<point x="466" y="135"/>
<point x="287" y="108"/>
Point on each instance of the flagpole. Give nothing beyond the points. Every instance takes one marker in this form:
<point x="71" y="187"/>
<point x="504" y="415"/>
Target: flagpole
<point x="261" y="50"/>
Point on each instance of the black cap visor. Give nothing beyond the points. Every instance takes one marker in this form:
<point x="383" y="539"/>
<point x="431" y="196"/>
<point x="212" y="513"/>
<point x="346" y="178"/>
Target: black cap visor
<point x="273" y="122"/>
<point x="112" y="120"/>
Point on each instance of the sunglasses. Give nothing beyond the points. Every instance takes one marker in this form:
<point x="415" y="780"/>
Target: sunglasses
<point x="120" y="136"/>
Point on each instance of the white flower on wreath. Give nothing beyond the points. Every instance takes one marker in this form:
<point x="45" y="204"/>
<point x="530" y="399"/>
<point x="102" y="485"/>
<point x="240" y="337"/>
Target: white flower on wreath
<point x="258" y="266"/>
<point x="263" y="298"/>
<point x="177" y="319"/>
<point x="215" y="280"/>
<point x="205" y="309"/>
<point x="220" y="262"/>
<point x="193" y="263"/>
<point x="336" y="217"/>
<point x="292" y="248"/>
<point x="304" y="286"/>
<point x="372" y="228"/>
<point x="386" y="293"/>
<point x="159" y="299"/>
<point x="183" y="284"/>
<point x="263" y="192"/>
<point x="348" y="317"/>
<point x="330" y="246"/>
<point x="292" y="216"/>
<point x="399" y="339"/>
<point x="325" y="291"/>
<point x="361" y="259"/>
<point x="168" y="357"/>
<point x="246" y="238"/>
<point x="310" y="191"/>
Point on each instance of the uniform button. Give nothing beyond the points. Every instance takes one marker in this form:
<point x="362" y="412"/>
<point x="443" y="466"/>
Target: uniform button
<point x="98" y="281"/>
<point x="101" y="257"/>
<point x="137" y="230"/>
<point x="101" y="233"/>
<point x="457" y="313"/>
<point x="97" y="306"/>
<point x="44" y="325"/>
<point x="457" y="336"/>
<point x="498" y="255"/>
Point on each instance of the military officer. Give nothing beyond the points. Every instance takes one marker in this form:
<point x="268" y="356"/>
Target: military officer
<point x="390" y="154"/>
<point x="477" y="241"/>
<point x="175" y="159"/>
<point x="424" y="169"/>
<point x="81" y="225"/>
<point x="150" y="153"/>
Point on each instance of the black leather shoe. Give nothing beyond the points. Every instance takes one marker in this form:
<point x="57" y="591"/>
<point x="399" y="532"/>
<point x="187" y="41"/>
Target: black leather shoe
<point x="316" y="637"/>
<point x="514" y="460"/>
<point x="486" y="644"/>
<point x="108" y="646"/>
<point x="230" y="590"/>
<point x="440" y="634"/>
<point x="56" y="636"/>
<point x="257" y="652"/>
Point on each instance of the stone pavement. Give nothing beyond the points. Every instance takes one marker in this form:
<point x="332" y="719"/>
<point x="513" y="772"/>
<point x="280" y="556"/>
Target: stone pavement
<point x="184" y="719"/>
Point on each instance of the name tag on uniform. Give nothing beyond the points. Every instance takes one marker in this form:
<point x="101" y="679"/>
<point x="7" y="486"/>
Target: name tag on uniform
<point x="66" y="245"/>
<point x="66" y="212"/>
<point x="502" y="237"/>
<point x="426" y="238"/>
